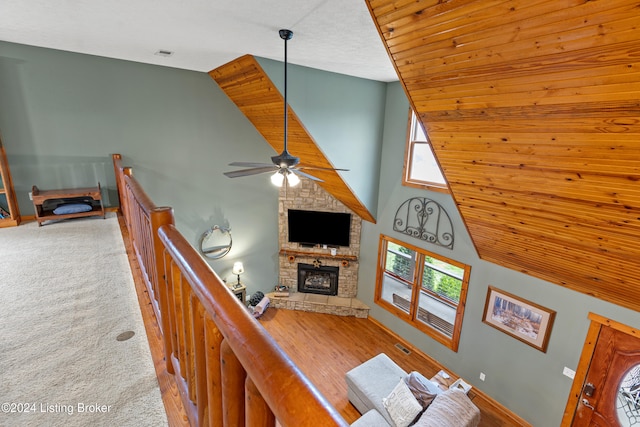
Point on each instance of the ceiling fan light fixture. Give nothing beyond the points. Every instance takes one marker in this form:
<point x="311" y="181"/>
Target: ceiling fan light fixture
<point x="277" y="179"/>
<point x="286" y="165"/>
<point x="292" y="179"/>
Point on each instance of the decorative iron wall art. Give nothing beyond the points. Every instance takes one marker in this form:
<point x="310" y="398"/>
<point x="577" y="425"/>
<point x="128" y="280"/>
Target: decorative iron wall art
<point x="424" y="219"/>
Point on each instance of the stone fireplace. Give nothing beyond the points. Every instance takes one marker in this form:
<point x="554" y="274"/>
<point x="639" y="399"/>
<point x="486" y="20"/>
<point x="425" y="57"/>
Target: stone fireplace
<point x="318" y="279"/>
<point x="321" y="294"/>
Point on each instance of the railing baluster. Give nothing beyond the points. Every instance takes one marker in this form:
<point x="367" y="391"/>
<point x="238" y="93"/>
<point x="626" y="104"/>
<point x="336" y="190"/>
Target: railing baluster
<point x="213" y="341"/>
<point x="233" y="376"/>
<point x="171" y="336"/>
<point x="212" y="344"/>
<point x="159" y="217"/>
<point x="180" y="327"/>
<point x="199" y="356"/>
<point x="168" y="316"/>
<point x="189" y="345"/>
<point x="257" y="411"/>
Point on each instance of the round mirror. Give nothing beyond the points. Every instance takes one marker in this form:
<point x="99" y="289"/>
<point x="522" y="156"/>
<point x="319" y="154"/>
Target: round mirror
<point x="629" y="398"/>
<point x="215" y="242"/>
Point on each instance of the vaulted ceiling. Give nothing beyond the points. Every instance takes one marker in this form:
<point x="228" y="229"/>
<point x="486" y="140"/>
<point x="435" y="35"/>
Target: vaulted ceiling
<point x="533" y="111"/>
<point x="250" y="88"/>
<point x="532" y="106"/>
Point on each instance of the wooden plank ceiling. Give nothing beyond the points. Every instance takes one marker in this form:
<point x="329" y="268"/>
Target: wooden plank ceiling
<point x="532" y="109"/>
<point x="248" y="86"/>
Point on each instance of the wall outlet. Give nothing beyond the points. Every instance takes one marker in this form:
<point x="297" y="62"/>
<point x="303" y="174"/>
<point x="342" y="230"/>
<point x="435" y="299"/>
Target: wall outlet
<point x="482" y="376"/>
<point x="30" y="195"/>
<point x="569" y="372"/>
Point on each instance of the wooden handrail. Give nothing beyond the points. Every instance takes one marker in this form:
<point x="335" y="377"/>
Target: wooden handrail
<point x="143" y="218"/>
<point x="291" y="396"/>
<point x="229" y="370"/>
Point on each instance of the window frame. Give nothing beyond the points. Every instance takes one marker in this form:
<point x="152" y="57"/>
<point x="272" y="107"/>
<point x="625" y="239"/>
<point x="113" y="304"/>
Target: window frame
<point x="411" y="317"/>
<point x="407" y="180"/>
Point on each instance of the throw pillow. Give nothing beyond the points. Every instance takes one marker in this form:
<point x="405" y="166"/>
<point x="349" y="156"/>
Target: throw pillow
<point x="423" y="389"/>
<point x="452" y="408"/>
<point x="402" y="407"/>
<point x="71" y="208"/>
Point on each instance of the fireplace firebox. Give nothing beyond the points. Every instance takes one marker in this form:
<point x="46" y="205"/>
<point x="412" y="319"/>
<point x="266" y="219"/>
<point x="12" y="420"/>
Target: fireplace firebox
<point x="321" y="280"/>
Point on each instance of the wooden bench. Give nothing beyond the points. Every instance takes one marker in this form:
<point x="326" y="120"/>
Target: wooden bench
<point x="89" y="195"/>
<point x="424" y="315"/>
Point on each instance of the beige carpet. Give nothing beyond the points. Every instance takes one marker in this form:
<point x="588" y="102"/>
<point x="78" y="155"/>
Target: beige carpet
<point x="66" y="294"/>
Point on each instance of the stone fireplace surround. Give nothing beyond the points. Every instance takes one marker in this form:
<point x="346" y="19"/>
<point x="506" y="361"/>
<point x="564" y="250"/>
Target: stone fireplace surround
<point x="309" y="196"/>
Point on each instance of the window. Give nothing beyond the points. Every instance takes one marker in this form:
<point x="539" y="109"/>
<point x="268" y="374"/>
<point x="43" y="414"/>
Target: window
<point x="421" y="169"/>
<point x="422" y="288"/>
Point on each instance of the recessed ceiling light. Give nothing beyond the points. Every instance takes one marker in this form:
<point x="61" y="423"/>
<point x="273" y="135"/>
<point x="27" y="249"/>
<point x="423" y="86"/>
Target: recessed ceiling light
<point x="165" y="53"/>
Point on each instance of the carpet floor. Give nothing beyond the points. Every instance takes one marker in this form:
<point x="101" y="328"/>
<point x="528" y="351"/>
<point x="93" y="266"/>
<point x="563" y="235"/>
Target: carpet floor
<point x="67" y="303"/>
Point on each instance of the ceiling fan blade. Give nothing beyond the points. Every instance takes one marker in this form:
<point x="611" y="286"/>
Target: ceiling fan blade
<point x="322" y="169"/>
<point x="251" y="165"/>
<point x="306" y="175"/>
<point x="252" y="171"/>
<point x="283" y="162"/>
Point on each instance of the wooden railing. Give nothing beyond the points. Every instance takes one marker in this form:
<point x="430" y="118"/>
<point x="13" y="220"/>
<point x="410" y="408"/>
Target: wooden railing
<point x="143" y="219"/>
<point x="229" y="370"/>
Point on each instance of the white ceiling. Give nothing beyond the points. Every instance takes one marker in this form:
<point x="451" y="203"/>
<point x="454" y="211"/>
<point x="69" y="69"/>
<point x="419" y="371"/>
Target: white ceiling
<point x="331" y="35"/>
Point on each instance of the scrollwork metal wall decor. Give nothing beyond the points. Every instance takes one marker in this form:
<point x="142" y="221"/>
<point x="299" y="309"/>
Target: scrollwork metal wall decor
<point x="424" y="219"/>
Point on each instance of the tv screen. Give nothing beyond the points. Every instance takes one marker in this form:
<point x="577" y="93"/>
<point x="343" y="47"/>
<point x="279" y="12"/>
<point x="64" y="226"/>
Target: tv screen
<point x="319" y="228"/>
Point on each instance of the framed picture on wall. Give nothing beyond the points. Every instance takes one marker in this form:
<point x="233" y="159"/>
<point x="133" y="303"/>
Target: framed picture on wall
<point x="522" y="319"/>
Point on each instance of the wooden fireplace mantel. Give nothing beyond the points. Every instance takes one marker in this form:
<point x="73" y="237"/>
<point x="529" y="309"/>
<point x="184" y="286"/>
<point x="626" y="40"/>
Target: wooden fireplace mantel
<point x="309" y="254"/>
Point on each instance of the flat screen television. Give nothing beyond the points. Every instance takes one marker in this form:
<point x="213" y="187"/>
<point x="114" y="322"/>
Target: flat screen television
<point x="310" y="228"/>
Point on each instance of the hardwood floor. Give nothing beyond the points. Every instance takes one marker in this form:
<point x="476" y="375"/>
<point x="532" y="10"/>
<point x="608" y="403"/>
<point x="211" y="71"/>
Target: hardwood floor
<point x="324" y="346"/>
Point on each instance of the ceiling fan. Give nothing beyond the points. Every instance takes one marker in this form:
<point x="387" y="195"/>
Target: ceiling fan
<point x="284" y="164"/>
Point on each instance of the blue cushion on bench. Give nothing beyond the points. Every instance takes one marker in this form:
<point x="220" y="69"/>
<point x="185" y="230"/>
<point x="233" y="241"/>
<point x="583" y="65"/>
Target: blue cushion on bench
<point x="72" y="208"/>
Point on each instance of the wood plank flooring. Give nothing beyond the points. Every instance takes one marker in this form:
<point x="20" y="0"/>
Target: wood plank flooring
<point x="324" y="346"/>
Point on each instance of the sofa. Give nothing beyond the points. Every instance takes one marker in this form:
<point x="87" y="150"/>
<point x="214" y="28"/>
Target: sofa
<point x="387" y="396"/>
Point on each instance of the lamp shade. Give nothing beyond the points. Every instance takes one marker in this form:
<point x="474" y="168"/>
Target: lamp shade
<point x="293" y="179"/>
<point x="277" y="179"/>
<point x="238" y="268"/>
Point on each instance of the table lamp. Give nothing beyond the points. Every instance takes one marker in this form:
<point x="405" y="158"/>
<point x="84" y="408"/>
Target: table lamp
<point x="238" y="269"/>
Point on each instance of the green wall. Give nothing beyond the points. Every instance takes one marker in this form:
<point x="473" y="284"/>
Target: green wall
<point x="525" y="380"/>
<point x="62" y="115"/>
<point x="344" y="115"/>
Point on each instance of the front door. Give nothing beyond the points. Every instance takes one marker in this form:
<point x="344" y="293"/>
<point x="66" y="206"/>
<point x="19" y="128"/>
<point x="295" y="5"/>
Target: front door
<point x="610" y="392"/>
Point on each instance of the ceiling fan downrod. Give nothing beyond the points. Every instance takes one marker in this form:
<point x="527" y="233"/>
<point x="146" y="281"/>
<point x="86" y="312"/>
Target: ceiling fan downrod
<point x="286" y="35"/>
<point x="284" y="165"/>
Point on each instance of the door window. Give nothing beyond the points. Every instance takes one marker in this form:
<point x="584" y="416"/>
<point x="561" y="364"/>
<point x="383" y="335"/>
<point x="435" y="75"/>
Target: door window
<point x="628" y="405"/>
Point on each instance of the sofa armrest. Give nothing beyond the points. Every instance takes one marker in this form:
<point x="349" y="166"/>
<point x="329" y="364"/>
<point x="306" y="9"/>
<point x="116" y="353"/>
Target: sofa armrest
<point x="370" y="382"/>
<point x="371" y="419"/>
